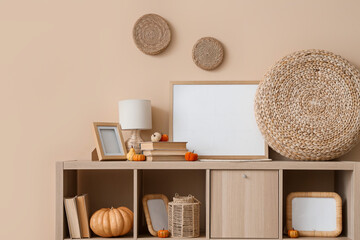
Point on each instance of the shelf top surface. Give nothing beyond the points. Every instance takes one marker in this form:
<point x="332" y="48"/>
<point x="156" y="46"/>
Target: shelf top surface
<point x="267" y="165"/>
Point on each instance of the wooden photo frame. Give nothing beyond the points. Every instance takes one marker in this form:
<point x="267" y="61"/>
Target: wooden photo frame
<point x="217" y="119"/>
<point x="109" y="141"/>
<point x="318" y="214"/>
<point x="156" y="212"/>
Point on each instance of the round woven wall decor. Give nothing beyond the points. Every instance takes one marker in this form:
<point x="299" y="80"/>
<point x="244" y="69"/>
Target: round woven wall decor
<point x="151" y="34"/>
<point x="307" y="107"/>
<point x="208" y="53"/>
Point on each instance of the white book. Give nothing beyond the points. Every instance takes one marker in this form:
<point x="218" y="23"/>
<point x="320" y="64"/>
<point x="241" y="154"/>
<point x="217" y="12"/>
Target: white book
<point x="72" y="217"/>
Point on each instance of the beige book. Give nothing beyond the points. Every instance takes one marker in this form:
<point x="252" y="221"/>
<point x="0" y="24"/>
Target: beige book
<point x="83" y="213"/>
<point x="164" y="152"/>
<point x="72" y="217"/>
<point x="165" y="158"/>
<point x="163" y="145"/>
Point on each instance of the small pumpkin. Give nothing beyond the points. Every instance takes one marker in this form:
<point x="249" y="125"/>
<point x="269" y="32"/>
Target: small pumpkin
<point x="139" y="157"/>
<point x="156" y="137"/>
<point x="130" y="154"/>
<point x="164" y="138"/>
<point x="112" y="222"/>
<point x="163" y="233"/>
<point x="293" y="233"/>
<point x="191" y="156"/>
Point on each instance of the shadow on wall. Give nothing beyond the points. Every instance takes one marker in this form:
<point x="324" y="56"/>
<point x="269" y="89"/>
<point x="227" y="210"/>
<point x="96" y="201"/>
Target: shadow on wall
<point x="353" y="155"/>
<point x="160" y="118"/>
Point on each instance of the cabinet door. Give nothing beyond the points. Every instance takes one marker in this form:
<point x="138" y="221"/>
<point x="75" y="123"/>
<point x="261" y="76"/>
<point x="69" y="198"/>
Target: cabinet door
<point x="244" y="204"/>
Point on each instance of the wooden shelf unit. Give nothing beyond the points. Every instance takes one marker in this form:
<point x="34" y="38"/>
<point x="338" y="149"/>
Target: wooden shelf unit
<point x="320" y="238"/>
<point x="123" y="183"/>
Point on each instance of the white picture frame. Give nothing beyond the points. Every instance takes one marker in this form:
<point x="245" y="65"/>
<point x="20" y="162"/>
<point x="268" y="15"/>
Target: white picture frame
<point x="109" y="140"/>
<point x="217" y="119"/>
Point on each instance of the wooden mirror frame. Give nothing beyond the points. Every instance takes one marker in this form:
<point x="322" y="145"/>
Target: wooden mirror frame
<point x="338" y="201"/>
<point x="146" y="209"/>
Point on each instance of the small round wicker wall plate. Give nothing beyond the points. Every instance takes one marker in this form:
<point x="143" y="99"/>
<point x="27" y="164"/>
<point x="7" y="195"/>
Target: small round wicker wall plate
<point x="307" y="107"/>
<point x="208" y="53"/>
<point x="151" y="34"/>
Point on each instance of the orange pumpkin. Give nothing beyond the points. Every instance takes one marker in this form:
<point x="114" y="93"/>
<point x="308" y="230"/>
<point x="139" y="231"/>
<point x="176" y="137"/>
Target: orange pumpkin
<point x="163" y="233"/>
<point x="112" y="222"/>
<point x="293" y="233"/>
<point x="191" y="156"/>
<point x="138" y="157"/>
<point x="164" y="138"/>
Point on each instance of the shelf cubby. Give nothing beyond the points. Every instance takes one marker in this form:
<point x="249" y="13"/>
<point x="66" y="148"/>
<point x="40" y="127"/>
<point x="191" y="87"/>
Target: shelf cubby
<point x="339" y="181"/>
<point x="105" y="189"/>
<point x="170" y="182"/>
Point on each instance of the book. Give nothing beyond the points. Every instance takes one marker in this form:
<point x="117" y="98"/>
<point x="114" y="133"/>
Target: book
<point x="82" y="211"/>
<point x="164" y="152"/>
<point x="163" y="145"/>
<point x="72" y="217"/>
<point x="165" y="158"/>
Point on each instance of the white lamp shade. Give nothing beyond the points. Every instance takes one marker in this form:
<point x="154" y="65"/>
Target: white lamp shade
<point x="135" y="114"/>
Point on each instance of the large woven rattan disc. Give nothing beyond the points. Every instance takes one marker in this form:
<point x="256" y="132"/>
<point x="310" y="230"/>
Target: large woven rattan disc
<point x="208" y="53"/>
<point x="307" y="106"/>
<point x="151" y="34"/>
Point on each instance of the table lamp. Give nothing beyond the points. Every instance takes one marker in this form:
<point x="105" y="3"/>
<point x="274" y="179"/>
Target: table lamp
<point x="135" y="115"/>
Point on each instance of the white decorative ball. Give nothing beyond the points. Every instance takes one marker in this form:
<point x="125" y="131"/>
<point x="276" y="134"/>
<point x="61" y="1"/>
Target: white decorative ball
<point x="156" y="137"/>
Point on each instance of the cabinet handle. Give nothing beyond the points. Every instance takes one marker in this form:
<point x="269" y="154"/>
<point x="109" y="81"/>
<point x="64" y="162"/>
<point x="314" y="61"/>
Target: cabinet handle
<point x="244" y="175"/>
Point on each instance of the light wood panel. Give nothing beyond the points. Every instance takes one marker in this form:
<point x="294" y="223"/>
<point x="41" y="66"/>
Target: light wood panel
<point x="244" y="204"/>
<point x="344" y="186"/>
<point x="136" y="202"/>
<point x="281" y="202"/>
<point x="100" y="238"/>
<point x="321" y="238"/>
<point x="273" y="165"/>
<point x="60" y="217"/>
<point x="147" y="237"/>
<point x="207" y="199"/>
<point x="355" y="208"/>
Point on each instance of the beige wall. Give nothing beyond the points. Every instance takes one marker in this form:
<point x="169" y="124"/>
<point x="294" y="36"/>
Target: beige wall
<point x="65" y="64"/>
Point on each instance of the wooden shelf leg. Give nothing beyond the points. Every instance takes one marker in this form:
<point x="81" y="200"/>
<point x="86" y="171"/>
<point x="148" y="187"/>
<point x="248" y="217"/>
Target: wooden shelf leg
<point x="59" y="222"/>
<point x="281" y="187"/>
<point x="207" y="204"/>
<point x="136" y="208"/>
<point x="355" y="203"/>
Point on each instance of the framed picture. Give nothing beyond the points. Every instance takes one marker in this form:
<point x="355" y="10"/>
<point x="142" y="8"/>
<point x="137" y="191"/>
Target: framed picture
<point x="109" y="141"/>
<point x="314" y="214"/>
<point x="217" y="119"/>
<point x="156" y="212"/>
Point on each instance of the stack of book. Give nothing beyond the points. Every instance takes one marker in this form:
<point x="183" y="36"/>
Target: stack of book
<point x="164" y="151"/>
<point x="77" y="209"/>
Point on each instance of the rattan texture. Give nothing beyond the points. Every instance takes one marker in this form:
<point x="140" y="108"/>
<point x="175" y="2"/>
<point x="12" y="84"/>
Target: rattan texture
<point x="307" y="106"/>
<point x="151" y="34"/>
<point x="184" y="216"/>
<point x="208" y="53"/>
